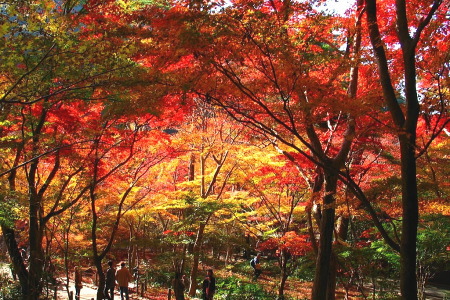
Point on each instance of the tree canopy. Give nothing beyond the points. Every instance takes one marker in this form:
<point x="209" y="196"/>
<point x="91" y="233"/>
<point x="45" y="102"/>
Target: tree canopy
<point x="181" y="130"/>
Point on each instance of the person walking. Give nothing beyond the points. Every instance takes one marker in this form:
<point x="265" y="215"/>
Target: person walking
<point x="255" y="263"/>
<point x="209" y="285"/>
<point x="123" y="277"/>
<point x="178" y="286"/>
<point x="110" y="282"/>
<point x="78" y="282"/>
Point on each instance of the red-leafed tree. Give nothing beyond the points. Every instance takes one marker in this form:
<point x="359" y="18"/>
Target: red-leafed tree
<point x="281" y="196"/>
<point x="123" y="153"/>
<point x="278" y="78"/>
<point x="405" y="46"/>
<point x="53" y="80"/>
<point x="277" y="67"/>
<point x="52" y="149"/>
<point x="209" y="140"/>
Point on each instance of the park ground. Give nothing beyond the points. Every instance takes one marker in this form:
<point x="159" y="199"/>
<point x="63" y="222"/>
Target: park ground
<point x="294" y="288"/>
<point x="434" y="292"/>
<point x="302" y="290"/>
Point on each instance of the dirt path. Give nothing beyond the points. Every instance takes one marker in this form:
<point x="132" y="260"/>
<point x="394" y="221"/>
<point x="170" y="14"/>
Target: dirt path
<point x="89" y="292"/>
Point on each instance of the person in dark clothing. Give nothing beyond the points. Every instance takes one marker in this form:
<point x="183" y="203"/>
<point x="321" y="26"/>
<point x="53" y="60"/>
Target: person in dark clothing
<point x="78" y="282"/>
<point x="136" y="273"/>
<point x="178" y="286"/>
<point x="209" y="285"/>
<point x="110" y="282"/>
<point x="256" y="266"/>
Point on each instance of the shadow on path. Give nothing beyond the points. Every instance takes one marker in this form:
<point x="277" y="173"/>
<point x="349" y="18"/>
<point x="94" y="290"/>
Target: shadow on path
<point x="89" y="292"/>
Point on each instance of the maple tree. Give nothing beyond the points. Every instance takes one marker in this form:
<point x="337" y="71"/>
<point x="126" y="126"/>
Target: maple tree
<point x="210" y="143"/>
<point x="81" y="78"/>
<point x="274" y="84"/>
<point x="264" y="83"/>
<point x="121" y="162"/>
<point x="49" y="65"/>
<point x="281" y="199"/>
<point x="404" y="119"/>
<point x="52" y="174"/>
<point x="69" y="173"/>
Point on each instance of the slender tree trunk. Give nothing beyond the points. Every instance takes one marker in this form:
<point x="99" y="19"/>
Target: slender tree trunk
<point x="191" y="167"/>
<point x="66" y="247"/>
<point x="178" y="286"/>
<point x="9" y="236"/>
<point x="132" y="251"/>
<point x="316" y="188"/>
<point x="195" y="262"/>
<point x="410" y="221"/>
<point x="36" y="260"/>
<point x="100" y="276"/>
<point x="35" y="214"/>
<point x="410" y="201"/>
<point x="13" y="250"/>
<point x="228" y="254"/>
<point x="284" y="274"/>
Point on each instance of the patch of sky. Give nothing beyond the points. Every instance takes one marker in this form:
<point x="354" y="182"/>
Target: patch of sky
<point x="337" y="7"/>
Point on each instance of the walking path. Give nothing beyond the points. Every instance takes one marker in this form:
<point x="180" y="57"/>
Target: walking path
<point x="437" y="292"/>
<point x="89" y="292"/>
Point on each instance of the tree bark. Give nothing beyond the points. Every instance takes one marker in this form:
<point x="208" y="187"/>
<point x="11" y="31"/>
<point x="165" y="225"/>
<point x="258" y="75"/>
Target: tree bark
<point x="13" y="250"/>
<point x="284" y="256"/>
<point x="331" y="286"/>
<point x="178" y="287"/>
<point x="410" y="221"/>
<point x="321" y="277"/>
<point x="195" y="262"/>
<point x="100" y="276"/>
<point x="36" y="260"/>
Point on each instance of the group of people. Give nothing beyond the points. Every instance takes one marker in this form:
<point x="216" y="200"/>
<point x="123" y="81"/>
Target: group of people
<point x="180" y="283"/>
<point x="122" y="277"/>
<point x="209" y="283"/>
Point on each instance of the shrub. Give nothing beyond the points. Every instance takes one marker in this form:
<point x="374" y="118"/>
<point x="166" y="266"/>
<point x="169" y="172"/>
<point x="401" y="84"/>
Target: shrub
<point x="234" y="288"/>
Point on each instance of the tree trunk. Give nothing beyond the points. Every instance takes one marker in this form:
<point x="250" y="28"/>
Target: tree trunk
<point x="331" y="285"/>
<point x="191" y="167"/>
<point x="36" y="260"/>
<point x="406" y="122"/>
<point x="100" y="277"/>
<point x="316" y="188"/>
<point x="410" y="221"/>
<point x="284" y="256"/>
<point x="228" y="254"/>
<point x="323" y="261"/>
<point x="19" y="267"/>
<point x="178" y="287"/>
<point x="195" y="262"/>
<point x="133" y="260"/>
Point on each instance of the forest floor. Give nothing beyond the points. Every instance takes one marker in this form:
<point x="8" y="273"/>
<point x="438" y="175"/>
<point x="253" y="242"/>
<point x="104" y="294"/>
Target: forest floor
<point x="89" y="291"/>
<point x="299" y="290"/>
